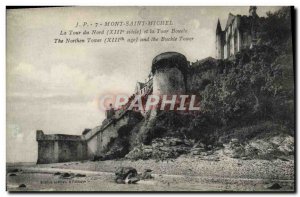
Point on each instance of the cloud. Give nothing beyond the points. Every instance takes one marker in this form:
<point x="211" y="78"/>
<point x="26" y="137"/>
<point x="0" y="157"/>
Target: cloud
<point x="63" y="80"/>
<point x="55" y="87"/>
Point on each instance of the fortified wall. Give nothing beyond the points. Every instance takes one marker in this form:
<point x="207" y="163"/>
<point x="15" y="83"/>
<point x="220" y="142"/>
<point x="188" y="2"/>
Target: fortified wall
<point x="169" y="76"/>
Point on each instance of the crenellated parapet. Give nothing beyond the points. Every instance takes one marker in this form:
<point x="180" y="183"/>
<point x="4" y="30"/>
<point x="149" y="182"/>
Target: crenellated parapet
<point x="40" y="136"/>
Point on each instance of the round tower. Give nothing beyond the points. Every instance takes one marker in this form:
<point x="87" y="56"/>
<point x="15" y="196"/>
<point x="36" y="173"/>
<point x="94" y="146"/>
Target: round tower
<point x="254" y="25"/>
<point x="169" y="73"/>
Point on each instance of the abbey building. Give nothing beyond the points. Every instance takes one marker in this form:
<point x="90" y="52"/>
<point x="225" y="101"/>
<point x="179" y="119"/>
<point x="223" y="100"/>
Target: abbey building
<point x="240" y="32"/>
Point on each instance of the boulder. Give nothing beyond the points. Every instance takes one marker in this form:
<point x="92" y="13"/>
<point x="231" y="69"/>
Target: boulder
<point x="132" y="180"/>
<point x="173" y="141"/>
<point x="161" y="148"/>
<point x="287" y="146"/>
<point x="22" y="186"/>
<point x="234" y="141"/>
<point x="197" y="151"/>
<point x="67" y="175"/>
<point x="126" y="175"/>
<point x="199" y="145"/>
<point x="140" y="152"/>
<point x="273" y="186"/>
<point x="80" y="175"/>
<point x="262" y="147"/>
<point x="57" y="173"/>
<point x="146" y="174"/>
<point x="234" y="150"/>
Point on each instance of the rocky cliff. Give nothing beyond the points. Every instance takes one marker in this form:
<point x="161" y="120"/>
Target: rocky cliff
<point x="247" y="105"/>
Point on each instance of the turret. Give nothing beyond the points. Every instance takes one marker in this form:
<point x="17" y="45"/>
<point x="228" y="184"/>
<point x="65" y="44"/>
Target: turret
<point x="219" y="41"/>
<point x="219" y="28"/>
<point x="254" y="25"/>
<point x="252" y="11"/>
<point x="39" y="135"/>
<point x="110" y="112"/>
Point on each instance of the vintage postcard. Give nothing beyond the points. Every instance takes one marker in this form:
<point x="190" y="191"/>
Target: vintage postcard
<point x="150" y="99"/>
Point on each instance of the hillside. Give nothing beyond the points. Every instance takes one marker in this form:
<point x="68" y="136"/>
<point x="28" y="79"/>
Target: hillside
<point x="247" y="106"/>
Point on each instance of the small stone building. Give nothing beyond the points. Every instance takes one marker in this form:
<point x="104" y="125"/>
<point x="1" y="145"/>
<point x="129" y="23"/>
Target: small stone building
<point x="60" y="148"/>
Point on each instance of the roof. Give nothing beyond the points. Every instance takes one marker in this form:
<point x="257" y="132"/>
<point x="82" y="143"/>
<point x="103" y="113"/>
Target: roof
<point x="219" y="28"/>
<point x="85" y="131"/>
<point x="140" y="84"/>
<point x="230" y="20"/>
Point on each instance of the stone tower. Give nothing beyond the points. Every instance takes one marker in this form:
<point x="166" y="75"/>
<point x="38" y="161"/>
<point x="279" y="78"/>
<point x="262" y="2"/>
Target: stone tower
<point x="219" y="41"/>
<point x="252" y="11"/>
<point x="254" y="25"/>
<point x="169" y="73"/>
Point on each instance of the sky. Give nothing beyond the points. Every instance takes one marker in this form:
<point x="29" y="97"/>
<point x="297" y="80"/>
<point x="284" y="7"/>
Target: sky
<point x="54" y="87"/>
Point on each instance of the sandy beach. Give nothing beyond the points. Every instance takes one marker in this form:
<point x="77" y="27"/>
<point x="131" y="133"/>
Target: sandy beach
<point x="181" y="174"/>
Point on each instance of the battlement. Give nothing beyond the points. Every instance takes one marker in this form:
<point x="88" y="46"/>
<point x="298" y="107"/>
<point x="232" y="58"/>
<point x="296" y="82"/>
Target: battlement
<point x="40" y="136"/>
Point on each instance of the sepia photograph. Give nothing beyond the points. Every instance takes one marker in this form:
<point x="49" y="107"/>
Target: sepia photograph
<point x="150" y="99"/>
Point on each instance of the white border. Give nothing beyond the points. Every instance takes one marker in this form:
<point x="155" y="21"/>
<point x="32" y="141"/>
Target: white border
<point x="4" y="3"/>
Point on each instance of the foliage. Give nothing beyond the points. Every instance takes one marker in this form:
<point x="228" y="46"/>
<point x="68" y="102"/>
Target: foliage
<point x="258" y="85"/>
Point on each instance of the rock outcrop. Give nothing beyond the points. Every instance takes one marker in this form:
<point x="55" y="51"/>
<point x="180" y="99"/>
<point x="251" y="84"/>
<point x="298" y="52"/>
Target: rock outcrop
<point x="161" y="148"/>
